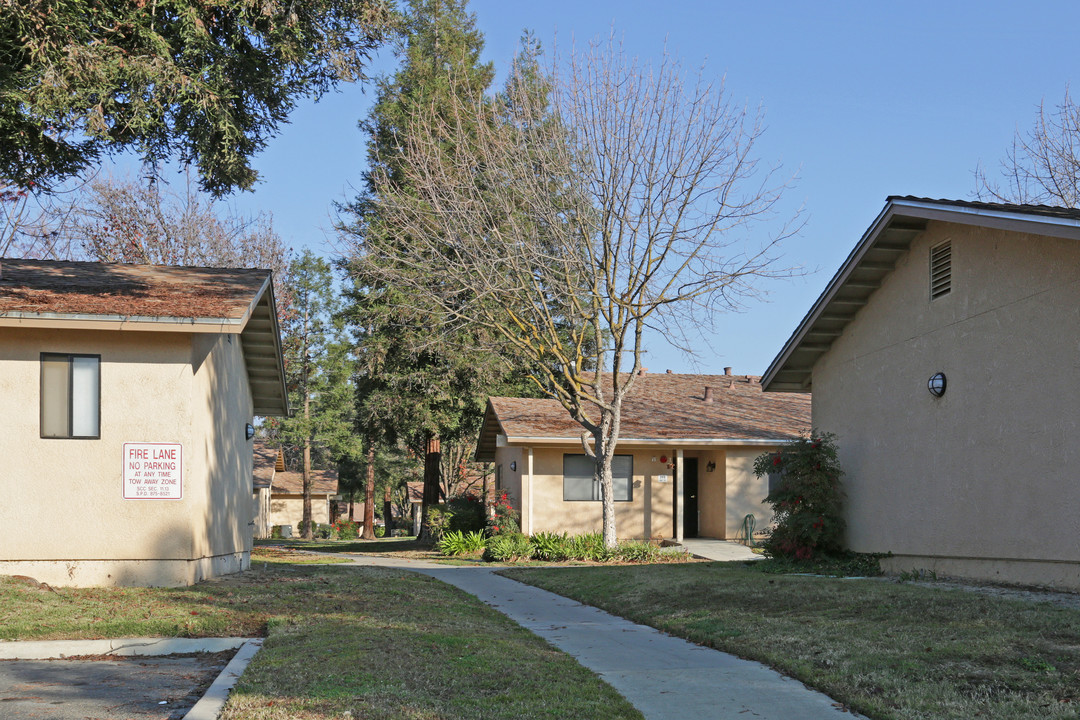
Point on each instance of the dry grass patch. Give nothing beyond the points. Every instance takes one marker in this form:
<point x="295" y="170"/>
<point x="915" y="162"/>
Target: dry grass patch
<point x="372" y="642"/>
<point x="887" y="650"/>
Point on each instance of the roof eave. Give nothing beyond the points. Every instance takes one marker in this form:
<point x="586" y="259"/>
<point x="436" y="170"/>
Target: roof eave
<point x="81" y="321"/>
<point x="823" y="324"/>
<point x="263" y="359"/>
<point x="551" y="440"/>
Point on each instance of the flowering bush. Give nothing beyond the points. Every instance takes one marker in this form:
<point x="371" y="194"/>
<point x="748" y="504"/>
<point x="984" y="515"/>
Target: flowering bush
<point x="808" y="501"/>
<point x="346" y="529"/>
<point x="504" y="519"/>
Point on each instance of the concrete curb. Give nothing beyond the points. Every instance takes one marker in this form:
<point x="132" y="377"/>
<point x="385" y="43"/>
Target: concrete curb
<point x="213" y="701"/>
<point x="55" y="649"/>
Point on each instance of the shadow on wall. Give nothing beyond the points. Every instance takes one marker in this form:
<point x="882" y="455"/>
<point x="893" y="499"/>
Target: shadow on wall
<point x="230" y="522"/>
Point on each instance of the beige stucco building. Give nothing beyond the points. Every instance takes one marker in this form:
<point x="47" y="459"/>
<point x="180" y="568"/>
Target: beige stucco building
<point x="980" y="481"/>
<point x="126" y="393"/>
<point x="278" y="494"/>
<point x="684" y="459"/>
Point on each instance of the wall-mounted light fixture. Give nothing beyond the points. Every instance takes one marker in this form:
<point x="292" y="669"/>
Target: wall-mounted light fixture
<point x="710" y="466"/>
<point x="513" y="464"/>
<point x="936" y="384"/>
<point x="249" y="431"/>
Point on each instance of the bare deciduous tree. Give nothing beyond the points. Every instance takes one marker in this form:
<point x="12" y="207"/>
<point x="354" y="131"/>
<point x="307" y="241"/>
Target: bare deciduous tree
<point x="33" y="224"/>
<point x="1042" y="166"/>
<point x="581" y="207"/>
<point x="148" y="221"/>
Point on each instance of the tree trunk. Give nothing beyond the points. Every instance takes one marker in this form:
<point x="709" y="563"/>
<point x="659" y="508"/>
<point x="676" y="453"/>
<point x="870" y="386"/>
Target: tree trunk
<point x="432" y="457"/>
<point x="388" y="512"/>
<point x="369" y="494"/>
<point x="306" y="522"/>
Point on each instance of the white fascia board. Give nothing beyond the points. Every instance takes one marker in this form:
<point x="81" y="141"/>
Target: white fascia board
<point x="986" y="217"/>
<point x="65" y="321"/>
<point x="666" y="442"/>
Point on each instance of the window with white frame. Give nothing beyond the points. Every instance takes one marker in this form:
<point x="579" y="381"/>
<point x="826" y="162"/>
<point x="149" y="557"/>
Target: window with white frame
<point x="579" y="482"/>
<point x="70" y="396"/>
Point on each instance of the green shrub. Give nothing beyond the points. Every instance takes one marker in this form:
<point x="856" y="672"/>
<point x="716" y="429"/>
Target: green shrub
<point x="508" y="547"/>
<point x="589" y="546"/>
<point x="549" y="546"/>
<point x="637" y="551"/>
<point x="464" y="513"/>
<point x="345" y="529"/>
<point x="459" y="543"/>
<point x="808" y="502"/>
<point x="275" y="532"/>
<point x="380" y="531"/>
<point x="504" y="519"/>
<point x="323" y="531"/>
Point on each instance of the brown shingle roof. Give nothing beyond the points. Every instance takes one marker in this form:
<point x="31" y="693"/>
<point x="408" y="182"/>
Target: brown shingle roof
<point x="110" y="289"/>
<point x="323" y="482"/>
<point x="110" y="296"/>
<point x="663" y="407"/>
<point x="265" y="462"/>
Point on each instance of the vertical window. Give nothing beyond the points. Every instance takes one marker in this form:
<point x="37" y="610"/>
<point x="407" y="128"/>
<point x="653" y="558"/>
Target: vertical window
<point x="70" y="396"/>
<point x="498" y="477"/>
<point x="940" y="269"/>
<point x="579" y="482"/>
<point x="774" y="482"/>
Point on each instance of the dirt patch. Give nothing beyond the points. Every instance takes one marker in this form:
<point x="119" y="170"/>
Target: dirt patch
<point x="107" y="687"/>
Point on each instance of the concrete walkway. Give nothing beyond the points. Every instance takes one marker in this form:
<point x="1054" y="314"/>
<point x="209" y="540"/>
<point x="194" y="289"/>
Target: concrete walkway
<point x="662" y="676"/>
<point x="723" y="550"/>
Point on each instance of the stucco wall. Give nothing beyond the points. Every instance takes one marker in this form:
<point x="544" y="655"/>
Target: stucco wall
<point x="725" y="495"/>
<point x="289" y="510"/>
<point x="745" y="492"/>
<point x="647" y="515"/>
<point x="149" y="393"/>
<point x="981" y="481"/>
<point x="223" y="408"/>
<point x="510" y="480"/>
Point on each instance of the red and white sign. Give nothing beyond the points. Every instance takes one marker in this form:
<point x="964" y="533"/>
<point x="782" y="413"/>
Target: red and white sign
<point x="153" y="471"/>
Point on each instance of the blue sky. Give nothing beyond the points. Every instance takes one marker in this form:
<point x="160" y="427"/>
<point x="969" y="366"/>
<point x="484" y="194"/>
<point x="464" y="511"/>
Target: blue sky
<point x="862" y="100"/>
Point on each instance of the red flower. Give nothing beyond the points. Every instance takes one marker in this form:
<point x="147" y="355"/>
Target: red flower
<point x="776" y="460"/>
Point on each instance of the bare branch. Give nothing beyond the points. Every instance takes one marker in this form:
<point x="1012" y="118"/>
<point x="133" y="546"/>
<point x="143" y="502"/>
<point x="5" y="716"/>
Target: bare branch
<point x="573" y="211"/>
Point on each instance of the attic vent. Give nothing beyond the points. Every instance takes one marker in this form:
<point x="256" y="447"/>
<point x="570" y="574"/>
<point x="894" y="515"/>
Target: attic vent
<point x="940" y="269"/>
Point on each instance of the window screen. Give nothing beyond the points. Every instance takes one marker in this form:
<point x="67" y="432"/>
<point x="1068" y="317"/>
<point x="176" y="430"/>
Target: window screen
<point x="579" y="482"/>
<point x="70" y="396"/>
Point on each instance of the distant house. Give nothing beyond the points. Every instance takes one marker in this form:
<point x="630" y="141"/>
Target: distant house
<point x="127" y="392"/>
<point x="287" y="498"/>
<point x="945" y="355"/>
<point x="278" y="494"/>
<point x="267" y="461"/>
<point x="683" y="465"/>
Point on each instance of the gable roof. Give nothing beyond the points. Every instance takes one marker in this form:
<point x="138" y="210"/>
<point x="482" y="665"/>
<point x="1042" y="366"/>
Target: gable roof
<point x="160" y="298"/>
<point x="664" y="409"/>
<point x="323" y="482"/>
<point x="875" y="256"/>
<point x="265" y="462"/>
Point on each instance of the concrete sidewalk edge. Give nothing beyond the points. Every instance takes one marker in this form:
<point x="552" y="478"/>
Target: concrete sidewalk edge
<point x="213" y="700"/>
<point x="57" y="649"/>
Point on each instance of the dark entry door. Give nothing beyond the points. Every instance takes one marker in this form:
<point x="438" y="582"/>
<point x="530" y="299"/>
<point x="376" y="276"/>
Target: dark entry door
<point x="690" y="498"/>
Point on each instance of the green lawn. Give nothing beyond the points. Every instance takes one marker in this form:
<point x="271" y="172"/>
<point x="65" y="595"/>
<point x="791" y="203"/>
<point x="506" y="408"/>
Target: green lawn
<point x="373" y="642"/>
<point x="887" y="650"/>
